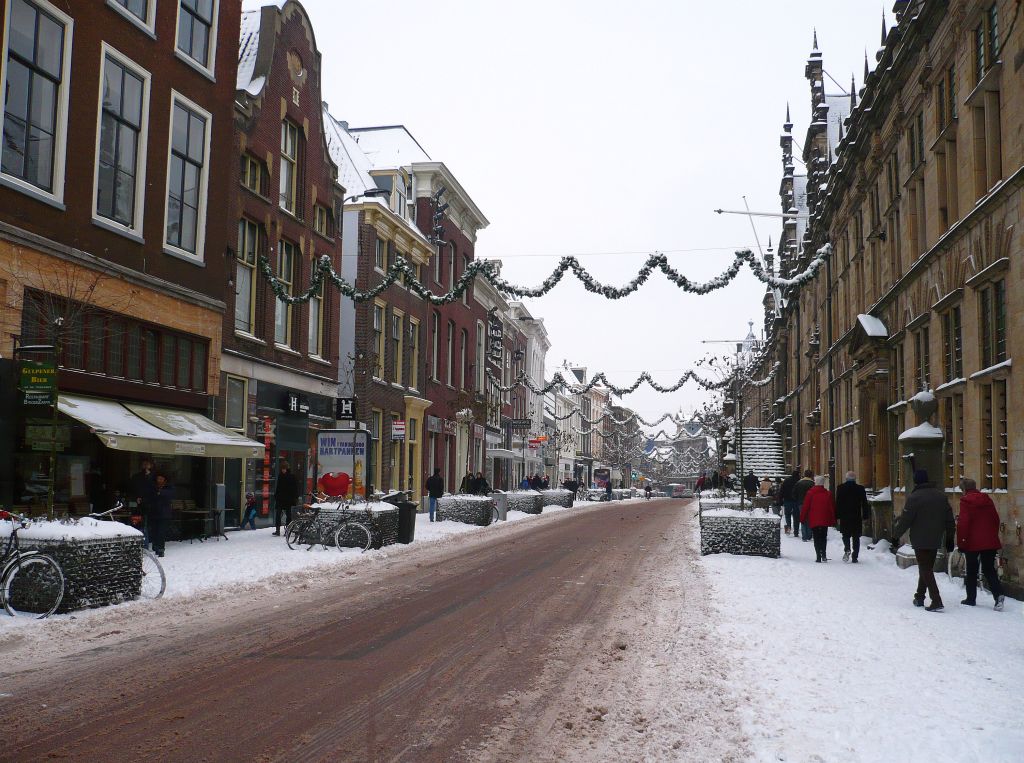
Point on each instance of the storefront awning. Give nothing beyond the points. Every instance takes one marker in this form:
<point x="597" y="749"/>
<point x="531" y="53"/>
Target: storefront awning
<point x="500" y="453"/>
<point x="160" y="431"/>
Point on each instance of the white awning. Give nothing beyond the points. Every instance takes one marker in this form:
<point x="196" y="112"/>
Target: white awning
<point x="500" y="453"/>
<point x="160" y="431"/>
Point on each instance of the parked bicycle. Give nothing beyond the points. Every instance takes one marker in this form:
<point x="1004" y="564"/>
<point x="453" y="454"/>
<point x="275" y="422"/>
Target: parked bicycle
<point x="31" y="582"/>
<point x="311" y="528"/>
<point x="154" y="581"/>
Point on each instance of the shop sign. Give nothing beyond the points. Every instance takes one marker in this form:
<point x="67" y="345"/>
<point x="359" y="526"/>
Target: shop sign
<point x="43" y="436"/>
<point x="189" y="449"/>
<point x="38" y="376"/>
<point x="496" y="336"/>
<point x="341" y="461"/>
<point x="398" y="429"/>
<point x="296" y="403"/>
<point x="433" y="424"/>
<point x="478" y="431"/>
<point x="520" y="425"/>
<point x="450" y="426"/>
<point x="345" y="409"/>
<point x="32" y="397"/>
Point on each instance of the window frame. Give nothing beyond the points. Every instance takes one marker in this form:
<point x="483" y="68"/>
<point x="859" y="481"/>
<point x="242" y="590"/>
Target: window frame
<point x="414" y="352"/>
<point x="248" y="162"/>
<point x="279" y="303"/>
<point x="315" y="328"/>
<point x="228" y="379"/>
<point x="141" y="151"/>
<point x="209" y="67"/>
<point x="379" y="329"/>
<point x="988" y="310"/>
<point x="204" y="181"/>
<point x="240" y="262"/>
<point x="54" y="197"/>
<point x="145" y="24"/>
<point x="326" y="229"/>
<point x="293" y="161"/>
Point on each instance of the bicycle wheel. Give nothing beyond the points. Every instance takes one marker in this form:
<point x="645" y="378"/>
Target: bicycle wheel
<point x="294" y="532"/>
<point x="956" y="567"/>
<point x="353" y="535"/>
<point x="153" y="579"/>
<point x="494" y="515"/>
<point x="33" y="586"/>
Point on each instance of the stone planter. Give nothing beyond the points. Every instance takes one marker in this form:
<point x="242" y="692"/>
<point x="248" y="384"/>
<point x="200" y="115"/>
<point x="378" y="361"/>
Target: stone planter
<point x="383" y="521"/>
<point x="468" y="509"/>
<point x="557" y="497"/>
<point x="101" y="561"/>
<point x="727" y="531"/>
<point x="527" y="501"/>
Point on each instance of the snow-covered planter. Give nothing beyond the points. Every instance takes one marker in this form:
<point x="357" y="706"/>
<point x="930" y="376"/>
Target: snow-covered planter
<point x="527" y="501"/>
<point x="747" y="533"/>
<point x="101" y="561"/>
<point x="556" y="497"/>
<point x="382" y="519"/>
<point x="468" y="509"/>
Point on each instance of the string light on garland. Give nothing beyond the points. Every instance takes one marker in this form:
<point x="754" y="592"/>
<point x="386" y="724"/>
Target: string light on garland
<point x="399" y="269"/>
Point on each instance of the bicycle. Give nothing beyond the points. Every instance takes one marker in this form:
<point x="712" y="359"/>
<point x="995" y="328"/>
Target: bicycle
<point x="956" y="569"/>
<point x="154" y="581"/>
<point x="310" y="528"/>
<point x="31" y="582"/>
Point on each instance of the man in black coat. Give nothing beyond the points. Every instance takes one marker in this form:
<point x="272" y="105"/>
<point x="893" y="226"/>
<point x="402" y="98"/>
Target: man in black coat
<point x="142" y="490"/>
<point x="435" y="489"/>
<point x="799" y="492"/>
<point x="286" y="495"/>
<point x="750" y="484"/>
<point x="787" y="499"/>
<point x="158" y="513"/>
<point x="852" y="510"/>
<point x="929" y="518"/>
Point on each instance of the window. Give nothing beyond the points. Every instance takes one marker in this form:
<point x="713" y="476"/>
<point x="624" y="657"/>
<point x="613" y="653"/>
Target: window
<point x="986" y="42"/>
<point x="947" y="187"/>
<point x="438" y="264"/>
<point x="36" y="94"/>
<point x="435" y="326"/>
<point x="994" y="441"/>
<point x="322" y="221"/>
<point x="398" y="195"/>
<point x="289" y="166"/>
<point x="375" y="451"/>
<point x="481" y="355"/>
<point x="252" y="174"/>
<point x="899" y="379"/>
<point x="987" y="144"/>
<point x="952" y="345"/>
<point x="397" y="335"/>
<point x="465" y="267"/>
<point x="380" y="255"/>
<point x="314" y="331"/>
<point x="451" y="268"/>
<point x="121" y="156"/>
<point x="992" y="302"/>
<point x="915" y="140"/>
<point x="140" y="9"/>
<point x="245" y="275"/>
<point x="945" y="99"/>
<point x="449" y="377"/>
<point x="922" y="364"/>
<point x="414" y="353"/>
<point x="195" y="30"/>
<point x="463" y="358"/>
<point x="953" y="426"/>
<point x="286" y="251"/>
<point x="378" y="339"/>
<point x="235" y="403"/>
<point x="186" y="177"/>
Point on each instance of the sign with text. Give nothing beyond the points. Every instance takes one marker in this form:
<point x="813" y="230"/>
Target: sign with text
<point x="296" y="403"/>
<point x="345" y="408"/>
<point x="398" y="429"/>
<point x="37" y="376"/>
<point x="520" y="425"/>
<point x="341" y="464"/>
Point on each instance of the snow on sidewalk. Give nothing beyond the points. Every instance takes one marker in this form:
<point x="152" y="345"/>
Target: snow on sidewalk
<point x="841" y="665"/>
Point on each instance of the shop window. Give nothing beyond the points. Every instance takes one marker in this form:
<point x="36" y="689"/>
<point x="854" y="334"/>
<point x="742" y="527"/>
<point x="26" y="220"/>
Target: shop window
<point x="184" y="364"/>
<point x="199" y="366"/>
<point x="167" y="360"/>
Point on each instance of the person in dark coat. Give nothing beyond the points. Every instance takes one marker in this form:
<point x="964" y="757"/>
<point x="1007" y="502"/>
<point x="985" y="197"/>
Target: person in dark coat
<point x="435" y="489"/>
<point x="546" y="482"/>
<point x="608" y="490"/>
<point x="699" y="486"/>
<point x="977" y="535"/>
<point x="929" y="518"/>
<point x="751" y="484"/>
<point x="466" y="486"/>
<point x="716" y="480"/>
<point x="818" y="512"/>
<point x="852" y="510"/>
<point x="286" y="495"/>
<point x="786" y="497"/>
<point x="799" y="492"/>
<point x="142" y="490"/>
<point x="481" y="486"/>
<point x="537" y="483"/>
<point x="158" y="513"/>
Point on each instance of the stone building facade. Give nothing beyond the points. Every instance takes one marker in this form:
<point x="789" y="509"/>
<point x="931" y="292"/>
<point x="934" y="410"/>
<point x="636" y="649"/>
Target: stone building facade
<point x="916" y="185"/>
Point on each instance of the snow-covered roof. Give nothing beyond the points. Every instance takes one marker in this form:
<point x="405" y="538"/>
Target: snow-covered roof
<point x="353" y="165"/>
<point x="872" y="326"/>
<point x="389" y="147"/>
<point x="248" y="47"/>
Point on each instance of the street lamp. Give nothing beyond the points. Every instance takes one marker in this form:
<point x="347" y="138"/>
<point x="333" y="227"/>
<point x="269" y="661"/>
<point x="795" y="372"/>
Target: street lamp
<point x="368" y="193"/>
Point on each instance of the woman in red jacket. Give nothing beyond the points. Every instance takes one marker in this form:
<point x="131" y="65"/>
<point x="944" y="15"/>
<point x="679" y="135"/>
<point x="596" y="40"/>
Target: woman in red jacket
<point x="819" y="513"/>
<point x="977" y="535"/>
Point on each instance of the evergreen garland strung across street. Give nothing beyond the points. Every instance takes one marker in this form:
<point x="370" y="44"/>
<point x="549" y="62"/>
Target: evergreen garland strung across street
<point x="558" y="382"/>
<point x="677" y="420"/>
<point x="324" y="271"/>
<point x="765" y="380"/>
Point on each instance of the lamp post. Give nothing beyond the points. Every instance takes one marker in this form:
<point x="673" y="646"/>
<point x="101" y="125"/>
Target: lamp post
<point x="369" y="193"/>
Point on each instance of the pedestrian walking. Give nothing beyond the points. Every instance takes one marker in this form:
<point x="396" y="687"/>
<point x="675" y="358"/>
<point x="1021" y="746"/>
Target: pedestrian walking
<point x="977" y="535"/>
<point x="435" y="489"/>
<point x="480" y="486"/>
<point x="766" y="486"/>
<point x="286" y="495"/>
<point x="751" y="484"/>
<point x="699" y="486"/>
<point x="142" y="489"/>
<point x="852" y="510"/>
<point x="249" y="516"/>
<point x="546" y="482"/>
<point x="608" y="490"/>
<point x="818" y="512"/>
<point x="537" y="483"/>
<point x="786" y="497"/>
<point x="929" y="518"/>
<point x="466" y="486"/>
<point x="799" y="493"/>
<point x="158" y="514"/>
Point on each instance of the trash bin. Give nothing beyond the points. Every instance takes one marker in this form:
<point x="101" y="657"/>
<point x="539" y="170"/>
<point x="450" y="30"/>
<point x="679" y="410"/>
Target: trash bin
<point x="501" y="504"/>
<point x="394" y="497"/>
<point x="406" y="521"/>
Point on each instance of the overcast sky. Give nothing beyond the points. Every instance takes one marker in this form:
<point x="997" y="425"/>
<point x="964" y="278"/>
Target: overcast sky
<point x="607" y="130"/>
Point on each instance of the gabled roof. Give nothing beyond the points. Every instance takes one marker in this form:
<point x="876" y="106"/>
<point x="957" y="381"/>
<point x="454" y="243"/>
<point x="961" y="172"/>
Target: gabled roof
<point x="248" y="46"/>
<point x="353" y="165"/>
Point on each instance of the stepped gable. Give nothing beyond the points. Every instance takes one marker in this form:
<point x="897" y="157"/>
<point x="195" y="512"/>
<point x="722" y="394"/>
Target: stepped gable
<point x="761" y="450"/>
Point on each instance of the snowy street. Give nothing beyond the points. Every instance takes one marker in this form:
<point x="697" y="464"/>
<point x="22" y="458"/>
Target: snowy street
<point x="594" y="633"/>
